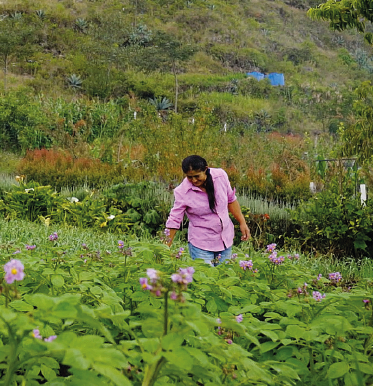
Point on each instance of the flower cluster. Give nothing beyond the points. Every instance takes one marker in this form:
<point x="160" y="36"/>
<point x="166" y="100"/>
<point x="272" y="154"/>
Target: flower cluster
<point x="184" y="277"/>
<point x="53" y="236"/>
<point x="318" y="296"/>
<point x="165" y="237"/>
<point x="271" y="247"/>
<point x="244" y="264"/>
<point x="179" y="253"/>
<point x="181" y="279"/>
<point x="36" y="335"/>
<point x="14" y="271"/>
<point x="293" y="257"/>
<point x="228" y="334"/>
<point x="30" y="247"/>
<point x="335" y="277"/>
<point x="155" y="286"/>
<point x="276" y="260"/>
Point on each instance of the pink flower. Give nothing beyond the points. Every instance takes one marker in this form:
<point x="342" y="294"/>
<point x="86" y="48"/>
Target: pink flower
<point x="239" y="318"/>
<point x="36" y="334"/>
<point x="144" y="283"/>
<point x="120" y="244"/>
<point x="30" y="247"/>
<point x="53" y="236"/>
<point x="173" y="295"/>
<point x="317" y="296"/>
<point x="271" y="247"/>
<point x="244" y="264"/>
<point x="152" y="274"/>
<point x="366" y="301"/>
<point x="229" y="341"/>
<point x="13" y="271"/>
<point x="50" y="339"/>
<point x="335" y="277"/>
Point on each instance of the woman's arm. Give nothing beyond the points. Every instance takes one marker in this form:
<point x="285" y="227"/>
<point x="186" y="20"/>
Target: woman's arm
<point x="235" y="209"/>
<point x="176" y="216"/>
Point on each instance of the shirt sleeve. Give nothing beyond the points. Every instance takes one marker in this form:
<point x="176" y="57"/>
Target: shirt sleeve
<point x="177" y="212"/>
<point x="231" y="193"/>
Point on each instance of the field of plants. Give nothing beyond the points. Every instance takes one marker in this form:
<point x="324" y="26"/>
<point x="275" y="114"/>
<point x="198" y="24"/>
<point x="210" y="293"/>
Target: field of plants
<point x="79" y="307"/>
<point x="100" y="100"/>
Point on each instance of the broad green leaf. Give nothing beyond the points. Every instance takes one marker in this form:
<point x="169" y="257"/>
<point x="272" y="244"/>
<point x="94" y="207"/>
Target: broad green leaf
<point x="48" y="373"/>
<point x="338" y="370"/>
<point x="57" y="280"/>
<point x="172" y="341"/>
<point x="112" y="373"/>
<point x="295" y="331"/>
<point x="20" y="305"/>
<point x="267" y="346"/>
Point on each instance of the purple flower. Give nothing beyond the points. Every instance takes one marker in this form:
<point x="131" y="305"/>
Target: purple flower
<point x="173" y="295"/>
<point x="229" y="341"/>
<point x="335" y="277"/>
<point x="317" y="296"/>
<point x="13" y="271"/>
<point x="50" y="339"/>
<point x="239" y="318"/>
<point x="30" y="247"/>
<point x="36" y="334"/>
<point x="53" y="236"/>
<point x="179" y="254"/>
<point x="319" y="276"/>
<point x="299" y="290"/>
<point x="184" y="276"/>
<point x="152" y="274"/>
<point x="296" y="256"/>
<point x="276" y="260"/>
<point x="234" y="256"/>
<point x="244" y="264"/>
<point x="167" y="232"/>
<point x="271" y="247"/>
<point x="84" y="246"/>
<point x="366" y="301"/>
<point x="120" y="244"/>
<point x="144" y="283"/>
<point x="218" y="320"/>
<point x="16" y="252"/>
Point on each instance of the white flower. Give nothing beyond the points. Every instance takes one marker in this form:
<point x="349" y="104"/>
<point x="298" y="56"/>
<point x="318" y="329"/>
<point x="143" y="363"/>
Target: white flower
<point x="73" y="199"/>
<point x="111" y="217"/>
<point x="29" y="190"/>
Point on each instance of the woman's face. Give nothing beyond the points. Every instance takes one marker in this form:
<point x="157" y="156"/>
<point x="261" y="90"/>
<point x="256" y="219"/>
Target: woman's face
<point x="196" y="177"/>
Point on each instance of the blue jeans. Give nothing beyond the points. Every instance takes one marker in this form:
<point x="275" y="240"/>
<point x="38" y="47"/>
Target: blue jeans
<point x="209" y="256"/>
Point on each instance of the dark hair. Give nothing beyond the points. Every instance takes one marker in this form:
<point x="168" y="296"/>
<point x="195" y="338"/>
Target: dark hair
<point x="195" y="162"/>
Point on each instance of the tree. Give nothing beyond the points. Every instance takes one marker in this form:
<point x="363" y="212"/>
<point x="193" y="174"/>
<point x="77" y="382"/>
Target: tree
<point x="358" y="136"/>
<point x="165" y="54"/>
<point x="345" y="14"/>
<point x="15" y="40"/>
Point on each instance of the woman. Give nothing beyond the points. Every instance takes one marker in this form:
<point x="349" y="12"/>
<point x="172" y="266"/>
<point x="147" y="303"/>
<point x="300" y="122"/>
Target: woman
<point x="206" y="197"/>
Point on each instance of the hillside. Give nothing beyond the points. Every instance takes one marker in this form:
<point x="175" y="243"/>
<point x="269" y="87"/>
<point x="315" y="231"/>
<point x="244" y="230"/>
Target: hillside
<point x="144" y="82"/>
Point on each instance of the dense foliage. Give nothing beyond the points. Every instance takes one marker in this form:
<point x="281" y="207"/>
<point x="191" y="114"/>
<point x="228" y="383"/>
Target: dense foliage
<point x="140" y="314"/>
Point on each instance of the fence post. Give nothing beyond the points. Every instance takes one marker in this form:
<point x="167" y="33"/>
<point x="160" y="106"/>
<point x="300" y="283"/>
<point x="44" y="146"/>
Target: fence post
<point x="363" y="194"/>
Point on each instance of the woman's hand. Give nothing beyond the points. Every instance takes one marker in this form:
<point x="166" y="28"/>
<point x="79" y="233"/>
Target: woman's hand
<point x="245" y="232"/>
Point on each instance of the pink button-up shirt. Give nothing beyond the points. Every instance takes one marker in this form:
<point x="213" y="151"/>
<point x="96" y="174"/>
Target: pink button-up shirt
<point x="207" y="230"/>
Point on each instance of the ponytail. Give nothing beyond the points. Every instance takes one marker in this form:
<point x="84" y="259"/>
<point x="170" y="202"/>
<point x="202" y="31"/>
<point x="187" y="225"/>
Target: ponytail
<point x="210" y="190"/>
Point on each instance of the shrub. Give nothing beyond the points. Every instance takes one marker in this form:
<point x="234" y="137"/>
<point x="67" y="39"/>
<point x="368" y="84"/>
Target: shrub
<point x="59" y="169"/>
<point x="334" y="221"/>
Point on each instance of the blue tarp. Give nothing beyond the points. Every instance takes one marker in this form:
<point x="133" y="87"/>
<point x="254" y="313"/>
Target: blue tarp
<point x="256" y="75"/>
<point x="275" y="78"/>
